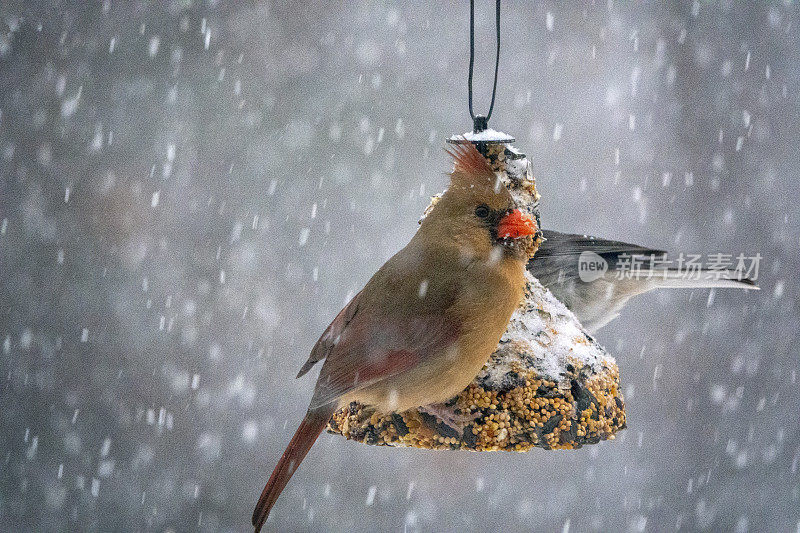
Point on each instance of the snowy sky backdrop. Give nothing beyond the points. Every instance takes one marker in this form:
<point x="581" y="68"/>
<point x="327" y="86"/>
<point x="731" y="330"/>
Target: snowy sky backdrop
<point x="189" y="191"/>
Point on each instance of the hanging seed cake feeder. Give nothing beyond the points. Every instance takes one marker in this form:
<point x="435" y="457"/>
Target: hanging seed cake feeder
<point x="549" y="384"/>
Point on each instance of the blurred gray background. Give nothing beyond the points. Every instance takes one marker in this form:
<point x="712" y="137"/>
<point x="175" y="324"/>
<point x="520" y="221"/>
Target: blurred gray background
<point x="190" y="191"/>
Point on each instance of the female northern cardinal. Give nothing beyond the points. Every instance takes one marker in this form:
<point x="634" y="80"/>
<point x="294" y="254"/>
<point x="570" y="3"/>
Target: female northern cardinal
<point x="428" y="320"/>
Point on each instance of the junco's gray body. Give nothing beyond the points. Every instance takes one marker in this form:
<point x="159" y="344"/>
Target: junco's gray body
<point x="596" y="297"/>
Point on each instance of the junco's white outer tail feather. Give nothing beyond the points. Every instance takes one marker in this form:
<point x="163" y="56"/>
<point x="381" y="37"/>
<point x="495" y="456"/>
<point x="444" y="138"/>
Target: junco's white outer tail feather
<point x="705" y="279"/>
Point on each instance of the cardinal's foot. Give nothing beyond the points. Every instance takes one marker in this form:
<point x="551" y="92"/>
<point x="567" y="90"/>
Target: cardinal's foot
<point x="447" y="416"/>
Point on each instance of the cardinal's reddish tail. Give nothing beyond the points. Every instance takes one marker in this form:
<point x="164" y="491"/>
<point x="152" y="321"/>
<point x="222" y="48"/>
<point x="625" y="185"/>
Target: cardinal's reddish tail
<point x="305" y="436"/>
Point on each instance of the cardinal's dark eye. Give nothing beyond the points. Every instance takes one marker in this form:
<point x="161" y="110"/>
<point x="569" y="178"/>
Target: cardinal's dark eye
<point x="482" y="211"/>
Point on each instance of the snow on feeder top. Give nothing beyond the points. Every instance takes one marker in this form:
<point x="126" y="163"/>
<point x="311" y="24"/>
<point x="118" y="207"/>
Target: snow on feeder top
<point x="481" y="134"/>
<point x="548" y="384"/>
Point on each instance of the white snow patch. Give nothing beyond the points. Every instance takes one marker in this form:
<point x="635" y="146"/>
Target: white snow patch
<point x="484" y="136"/>
<point x="548" y="332"/>
<point x="155" y="41"/>
<point x="371" y="495"/>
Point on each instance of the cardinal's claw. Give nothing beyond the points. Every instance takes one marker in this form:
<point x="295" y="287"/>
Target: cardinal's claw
<point x="447" y="415"/>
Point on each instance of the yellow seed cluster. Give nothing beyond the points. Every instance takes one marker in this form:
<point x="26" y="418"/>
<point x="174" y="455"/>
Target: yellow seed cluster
<point x="583" y="408"/>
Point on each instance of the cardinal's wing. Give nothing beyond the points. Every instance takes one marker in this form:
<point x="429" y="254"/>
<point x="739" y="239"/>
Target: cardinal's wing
<point x="368" y="347"/>
<point x="330" y="337"/>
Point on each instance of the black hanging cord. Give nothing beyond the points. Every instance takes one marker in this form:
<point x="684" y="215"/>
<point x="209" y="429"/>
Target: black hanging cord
<point x="480" y="123"/>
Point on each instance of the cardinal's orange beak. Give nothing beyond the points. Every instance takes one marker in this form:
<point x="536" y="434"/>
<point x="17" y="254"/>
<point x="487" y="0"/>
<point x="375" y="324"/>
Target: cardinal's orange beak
<point x="515" y="224"/>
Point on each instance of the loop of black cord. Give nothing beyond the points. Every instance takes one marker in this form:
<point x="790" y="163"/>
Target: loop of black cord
<point x="472" y="56"/>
